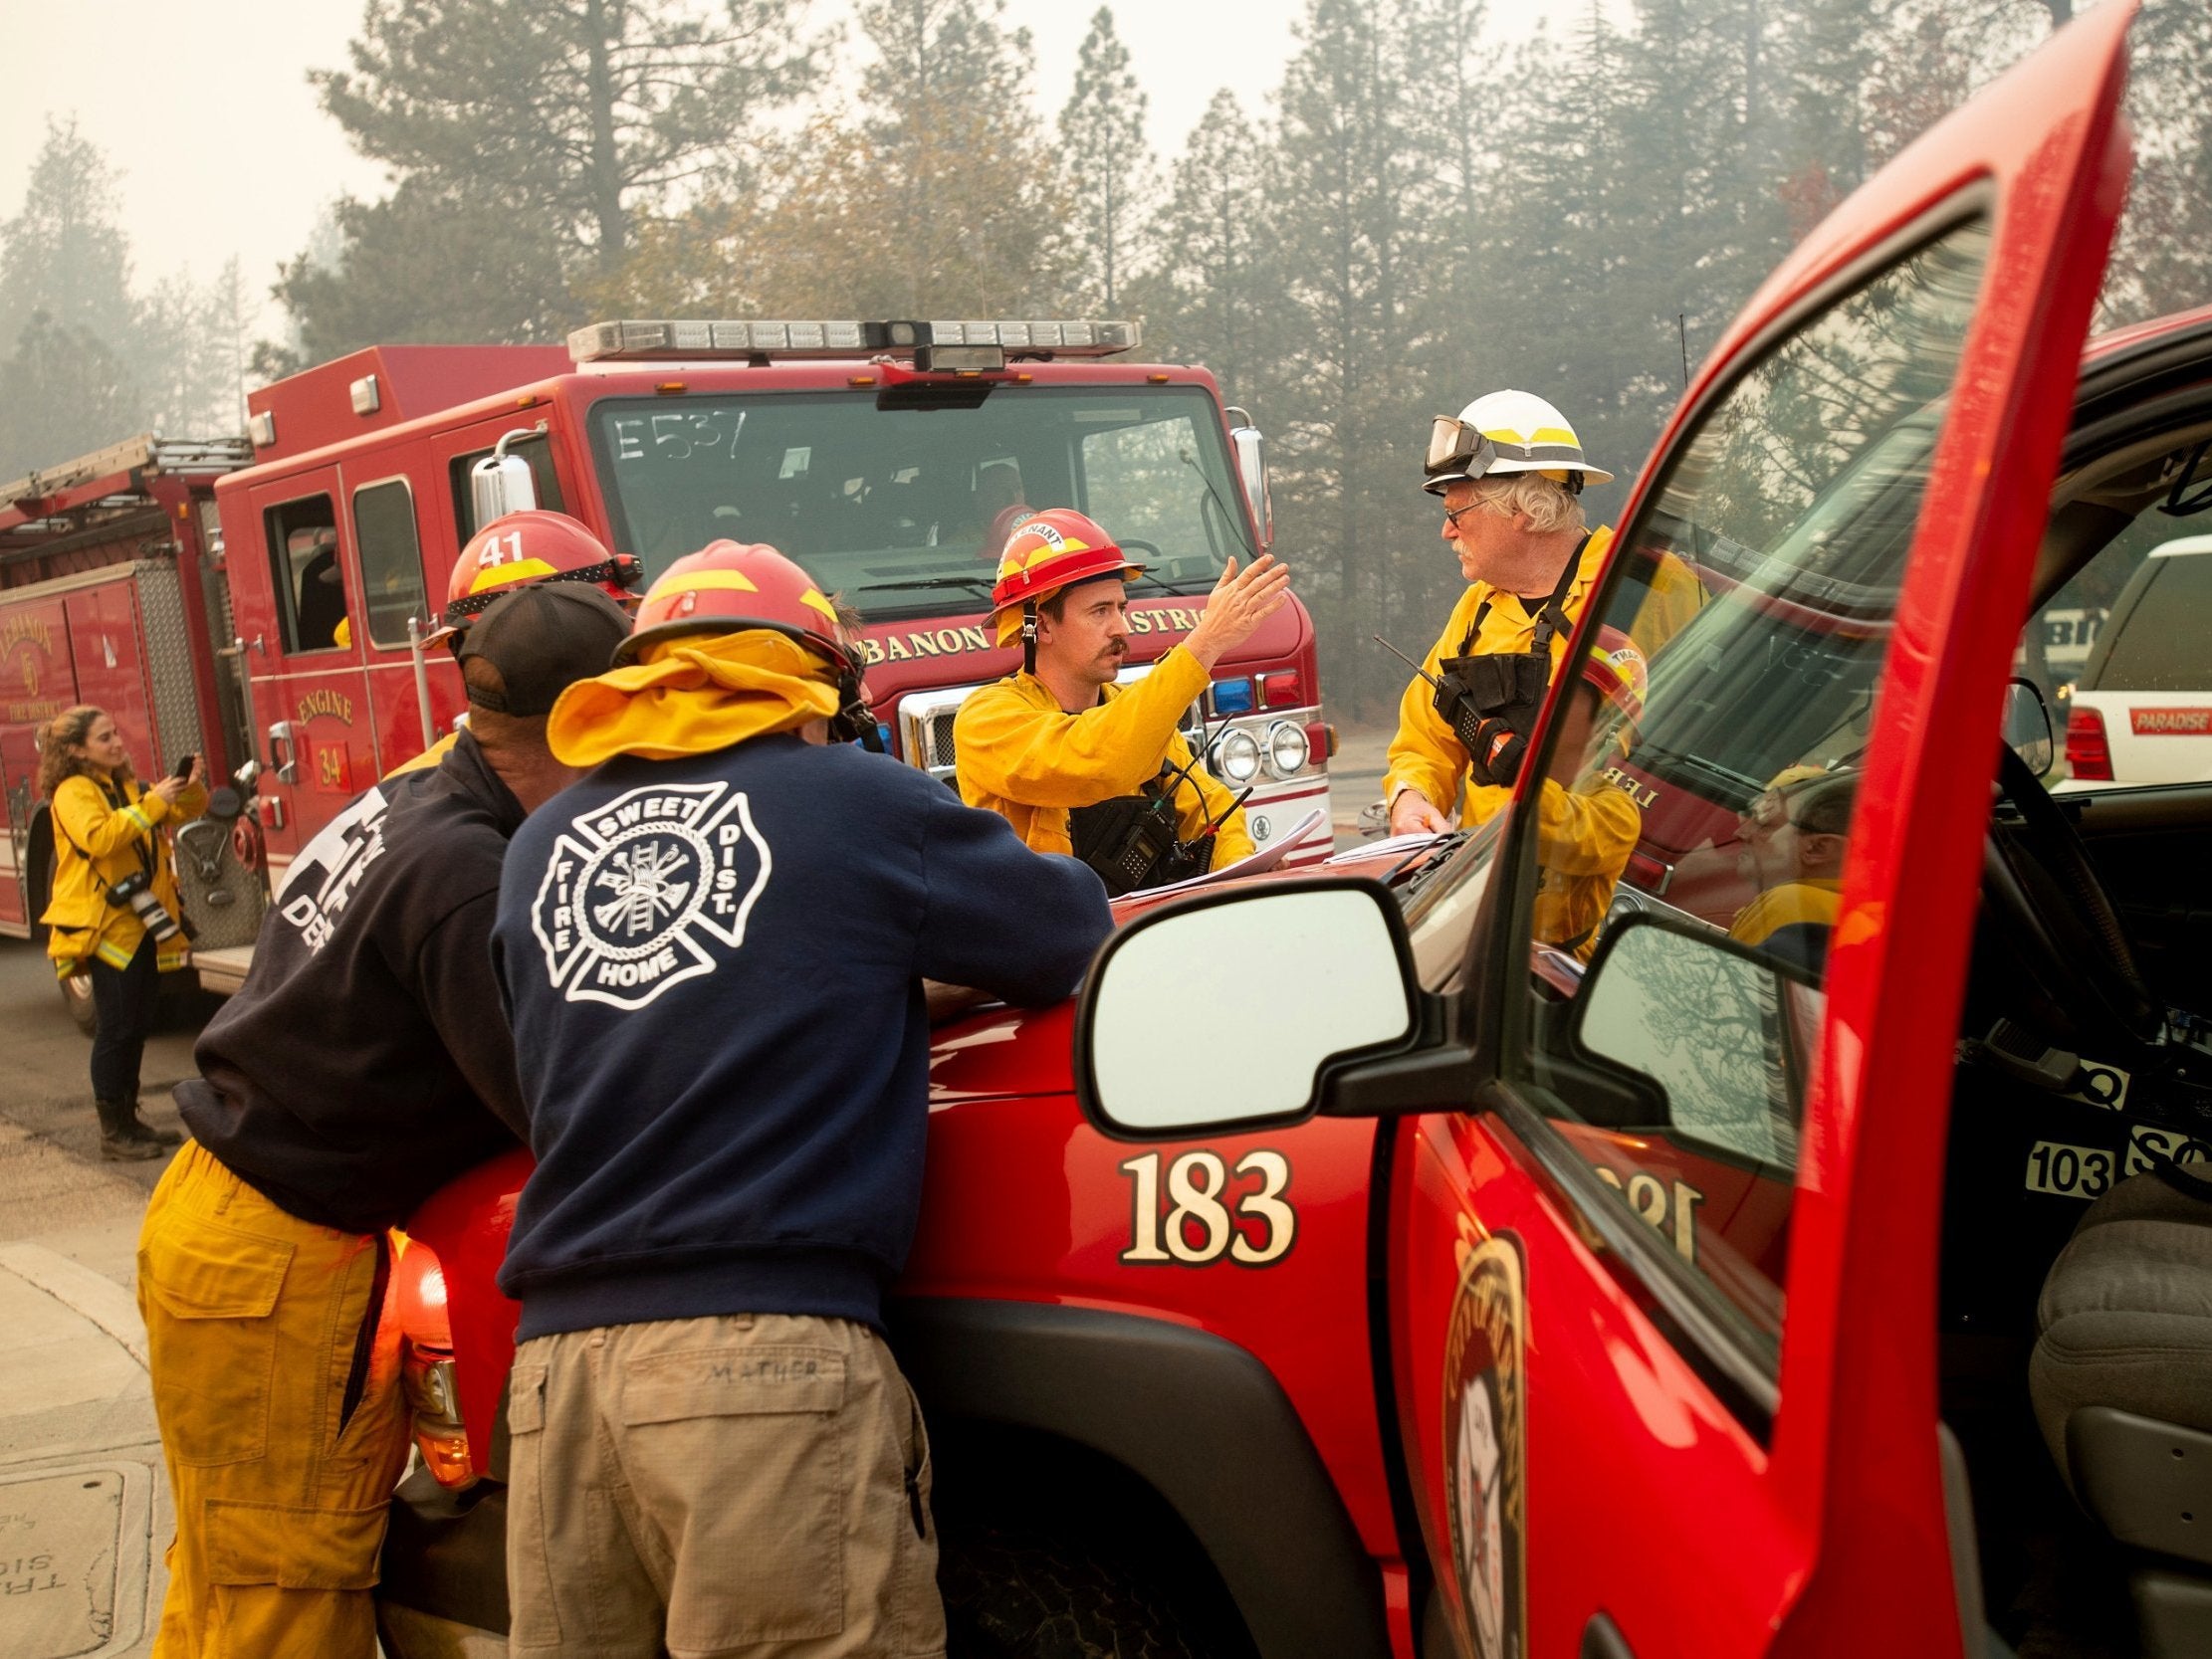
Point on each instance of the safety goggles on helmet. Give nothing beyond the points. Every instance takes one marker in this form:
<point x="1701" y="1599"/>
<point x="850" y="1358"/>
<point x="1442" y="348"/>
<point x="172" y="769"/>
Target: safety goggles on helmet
<point x="1457" y="451"/>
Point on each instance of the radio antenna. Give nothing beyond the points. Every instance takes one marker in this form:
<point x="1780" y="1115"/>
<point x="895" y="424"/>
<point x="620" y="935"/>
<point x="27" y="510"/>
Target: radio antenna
<point x="1408" y="661"/>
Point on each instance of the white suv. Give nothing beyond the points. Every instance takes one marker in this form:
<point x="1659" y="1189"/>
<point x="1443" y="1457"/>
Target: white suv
<point x="2142" y="710"/>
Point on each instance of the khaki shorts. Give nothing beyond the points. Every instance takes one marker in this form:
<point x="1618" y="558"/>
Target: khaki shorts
<point x="752" y="1485"/>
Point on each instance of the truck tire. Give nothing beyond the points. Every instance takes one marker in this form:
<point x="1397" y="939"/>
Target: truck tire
<point x="1018" y="1595"/>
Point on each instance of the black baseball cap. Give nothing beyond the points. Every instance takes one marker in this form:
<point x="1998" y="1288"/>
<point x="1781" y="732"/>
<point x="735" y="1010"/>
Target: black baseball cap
<point x="542" y="639"/>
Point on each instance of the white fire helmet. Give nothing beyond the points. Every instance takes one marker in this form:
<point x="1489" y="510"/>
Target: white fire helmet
<point x="1506" y="432"/>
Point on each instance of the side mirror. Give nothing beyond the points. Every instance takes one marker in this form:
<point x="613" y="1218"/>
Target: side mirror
<point x="501" y="483"/>
<point x="2028" y="727"/>
<point x="1690" y="1032"/>
<point x="1251" y="467"/>
<point x="1227" y="1011"/>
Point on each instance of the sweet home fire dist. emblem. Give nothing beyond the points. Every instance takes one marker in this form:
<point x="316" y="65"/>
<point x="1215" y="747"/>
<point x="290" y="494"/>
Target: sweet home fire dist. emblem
<point x="640" y="893"/>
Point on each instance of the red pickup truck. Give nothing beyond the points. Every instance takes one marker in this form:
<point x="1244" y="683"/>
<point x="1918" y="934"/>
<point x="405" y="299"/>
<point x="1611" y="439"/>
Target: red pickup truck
<point x="1411" y="1280"/>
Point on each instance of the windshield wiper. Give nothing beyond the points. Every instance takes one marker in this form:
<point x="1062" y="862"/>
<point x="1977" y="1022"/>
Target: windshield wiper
<point x="1235" y="519"/>
<point x="974" y="584"/>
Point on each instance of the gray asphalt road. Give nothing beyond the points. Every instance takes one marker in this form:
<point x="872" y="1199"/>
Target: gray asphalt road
<point x="1355" y="778"/>
<point x="44" y="1084"/>
<point x="83" y="1503"/>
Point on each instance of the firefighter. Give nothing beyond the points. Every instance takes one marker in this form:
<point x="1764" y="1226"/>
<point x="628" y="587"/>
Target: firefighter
<point x="515" y="550"/>
<point x="113" y="912"/>
<point x="364" y="1061"/>
<point x="1078" y="763"/>
<point x="1794" y="838"/>
<point x="714" y="949"/>
<point x="1509" y="469"/>
<point x="1586" y="832"/>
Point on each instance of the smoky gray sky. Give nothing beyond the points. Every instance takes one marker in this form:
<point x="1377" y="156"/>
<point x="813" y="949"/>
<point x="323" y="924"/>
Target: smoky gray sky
<point x="204" y="109"/>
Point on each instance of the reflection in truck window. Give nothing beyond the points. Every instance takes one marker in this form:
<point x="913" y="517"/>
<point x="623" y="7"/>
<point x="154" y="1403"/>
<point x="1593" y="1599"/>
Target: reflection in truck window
<point x="538" y="451"/>
<point x="308" y="580"/>
<point x="392" y="562"/>
<point x="1135" y="475"/>
<point x="1718" y="791"/>
<point x="893" y="499"/>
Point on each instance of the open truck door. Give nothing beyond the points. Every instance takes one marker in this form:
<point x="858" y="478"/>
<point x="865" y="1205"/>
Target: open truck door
<point x="1662" y="1291"/>
<point x="1657" y="1226"/>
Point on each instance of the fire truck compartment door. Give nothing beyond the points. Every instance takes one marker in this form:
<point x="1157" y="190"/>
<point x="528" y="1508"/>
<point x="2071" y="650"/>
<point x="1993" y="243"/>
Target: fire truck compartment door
<point x="1618" y="1411"/>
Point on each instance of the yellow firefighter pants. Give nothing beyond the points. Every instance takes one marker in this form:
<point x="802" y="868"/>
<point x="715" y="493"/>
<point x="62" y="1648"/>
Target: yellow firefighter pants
<point x="254" y="1337"/>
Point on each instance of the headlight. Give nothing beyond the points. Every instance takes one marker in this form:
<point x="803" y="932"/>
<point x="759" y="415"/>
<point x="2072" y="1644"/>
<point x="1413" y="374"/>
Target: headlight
<point x="1236" y="757"/>
<point x="1287" y="748"/>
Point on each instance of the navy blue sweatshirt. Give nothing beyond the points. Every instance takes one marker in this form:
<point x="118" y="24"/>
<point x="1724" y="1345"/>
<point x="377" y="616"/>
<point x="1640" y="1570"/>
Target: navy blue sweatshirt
<point x="714" y="971"/>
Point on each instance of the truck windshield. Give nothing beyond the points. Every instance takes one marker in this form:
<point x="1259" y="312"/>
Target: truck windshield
<point x="899" y="502"/>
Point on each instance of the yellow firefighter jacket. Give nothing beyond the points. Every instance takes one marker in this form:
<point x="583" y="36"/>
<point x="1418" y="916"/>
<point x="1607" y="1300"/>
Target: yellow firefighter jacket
<point x="1024" y="756"/>
<point x="1583" y="836"/>
<point x="1815" y="899"/>
<point x="96" y="845"/>
<point x="1427" y="754"/>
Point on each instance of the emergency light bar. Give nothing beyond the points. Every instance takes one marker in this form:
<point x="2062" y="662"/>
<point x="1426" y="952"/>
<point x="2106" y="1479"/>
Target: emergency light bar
<point x="628" y="341"/>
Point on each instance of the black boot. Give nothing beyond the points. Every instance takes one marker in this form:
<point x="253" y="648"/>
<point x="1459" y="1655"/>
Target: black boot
<point x="117" y="1141"/>
<point x="140" y="1129"/>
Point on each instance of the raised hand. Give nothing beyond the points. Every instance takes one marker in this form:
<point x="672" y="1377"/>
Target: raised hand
<point x="1241" y="601"/>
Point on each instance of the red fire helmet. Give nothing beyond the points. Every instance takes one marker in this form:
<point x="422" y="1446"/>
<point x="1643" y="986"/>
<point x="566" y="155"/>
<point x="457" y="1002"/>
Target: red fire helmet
<point x="530" y="546"/>
<point x="1615" y="664"/>
<point x="728" y="588"/>
<point x="1052" y="549"/>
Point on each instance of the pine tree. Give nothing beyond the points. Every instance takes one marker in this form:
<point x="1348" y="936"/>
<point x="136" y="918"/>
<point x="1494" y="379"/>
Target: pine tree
<point x="65" y="255"/>
<point x="427" y="266"/>
<point x="944" y="202"/>
<point x="1102" y="134"/>
<point x="569" y="112"/>
<point x="185" y="364"/>
<point x="1203" y="298"/>
<point x="1350" y="258"/>
<point x="968" y="214"/>
<point x="63" y="394"/>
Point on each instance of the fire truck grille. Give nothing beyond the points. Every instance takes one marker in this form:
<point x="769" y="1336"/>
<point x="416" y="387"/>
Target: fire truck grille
<point x="936" y="744"/>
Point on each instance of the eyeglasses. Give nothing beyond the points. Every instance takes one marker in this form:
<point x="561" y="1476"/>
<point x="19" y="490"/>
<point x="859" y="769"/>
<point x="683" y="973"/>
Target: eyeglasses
<point x="1452" y="514"/>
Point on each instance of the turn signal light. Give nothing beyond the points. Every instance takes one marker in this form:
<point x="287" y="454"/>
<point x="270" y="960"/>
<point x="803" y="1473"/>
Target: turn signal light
<point x="2088" y="752"/>
<point x="433" y="1397"/>
<point x="418" y="1302"/>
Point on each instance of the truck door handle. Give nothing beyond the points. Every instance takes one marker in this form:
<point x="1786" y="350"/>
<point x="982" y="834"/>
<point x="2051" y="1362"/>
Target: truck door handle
<point x="288" y="767"/>
<point x="1602" y="1639"/>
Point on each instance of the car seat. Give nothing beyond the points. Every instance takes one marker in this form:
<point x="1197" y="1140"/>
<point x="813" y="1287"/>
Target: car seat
<point x="2121" y="1382"/>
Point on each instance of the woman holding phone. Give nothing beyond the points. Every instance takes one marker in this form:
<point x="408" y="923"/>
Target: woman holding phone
<point x="114" y="911"/>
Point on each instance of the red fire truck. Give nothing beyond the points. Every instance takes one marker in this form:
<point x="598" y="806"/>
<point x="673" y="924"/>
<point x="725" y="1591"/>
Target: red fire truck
<point x="267" y="604"/>
<point x="1407" y="1284"/>
<point x="112" y="593"/>
<point x="880" y="455"/>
